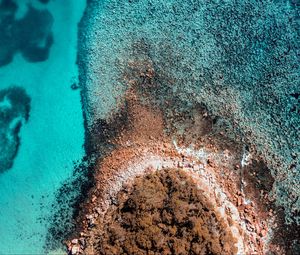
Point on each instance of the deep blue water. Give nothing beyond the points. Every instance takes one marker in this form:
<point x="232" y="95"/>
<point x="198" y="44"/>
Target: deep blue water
<point x="41" y="123"/>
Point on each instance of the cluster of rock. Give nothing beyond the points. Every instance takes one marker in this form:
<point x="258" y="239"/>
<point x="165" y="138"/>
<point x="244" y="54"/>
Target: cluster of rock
<point x="240" y="60"/>
<point x="76" y="246"/>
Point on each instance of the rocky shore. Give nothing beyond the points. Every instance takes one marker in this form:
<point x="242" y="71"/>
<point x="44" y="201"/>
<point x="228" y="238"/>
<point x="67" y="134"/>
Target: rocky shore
<point x="187" y="86"/>
<point x="239" y="60"/>
<point x="234" y="185"/>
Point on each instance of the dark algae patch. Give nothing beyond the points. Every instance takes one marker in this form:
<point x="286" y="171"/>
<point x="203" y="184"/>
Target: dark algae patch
<point x="14" y="111"/>
<point x="164" y="213"/>
<point x="31" y="35"/>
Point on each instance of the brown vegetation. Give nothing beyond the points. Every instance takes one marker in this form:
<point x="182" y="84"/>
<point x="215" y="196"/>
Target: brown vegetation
<point x="163" y="213"/>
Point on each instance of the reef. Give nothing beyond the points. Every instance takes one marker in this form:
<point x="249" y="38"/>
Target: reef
<point x="241" y="60"/>
<point x="14" y="111"/>
<point x="207" y="87"/>
<point x="31" y="35"/>
<point x="145" y="138"/>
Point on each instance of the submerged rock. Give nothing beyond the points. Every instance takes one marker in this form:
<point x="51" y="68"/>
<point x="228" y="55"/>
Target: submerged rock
<point x="14" y="111"/>
<point x="31" y="35"/>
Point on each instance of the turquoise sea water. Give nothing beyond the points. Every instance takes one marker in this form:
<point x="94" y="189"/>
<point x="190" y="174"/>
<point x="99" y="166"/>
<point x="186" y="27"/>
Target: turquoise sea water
<point x="52" y="139"/>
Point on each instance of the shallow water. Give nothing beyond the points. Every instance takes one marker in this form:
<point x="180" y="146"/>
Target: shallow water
<point x="52" y="139"/>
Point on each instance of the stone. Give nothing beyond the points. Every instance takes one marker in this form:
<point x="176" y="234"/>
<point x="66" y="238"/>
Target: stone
<point x="89" y="216"/>
<point x="98" y="210"/>
<point x="82" y="234"/>
<point x="75" y="250"/>
<point x="92" y="223"/>
<point x="180" y="164"/>
<point x="82" y="241"/>
<point x="263" y="233"/>
<point x="74" y="241"/>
